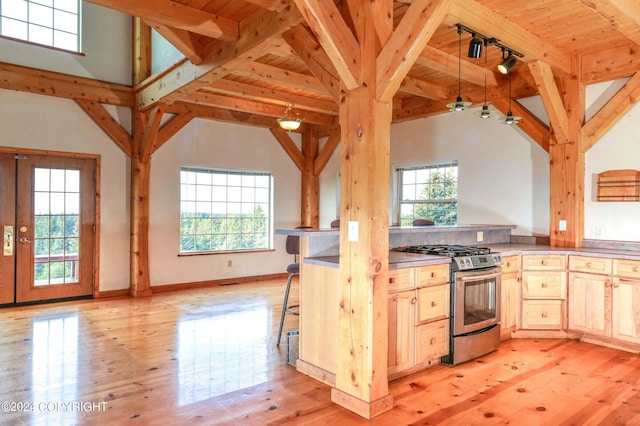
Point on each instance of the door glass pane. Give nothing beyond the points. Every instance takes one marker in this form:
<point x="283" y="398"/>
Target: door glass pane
<point x="57" y="226"/>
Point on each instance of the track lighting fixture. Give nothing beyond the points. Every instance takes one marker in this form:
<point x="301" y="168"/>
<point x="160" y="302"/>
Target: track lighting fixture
<point x="510" y="118"/>
<point x="507" y="63"/>
<point x="459" y="104"/>
<point x="475" y="47"/>
<point x="485" y="113"/>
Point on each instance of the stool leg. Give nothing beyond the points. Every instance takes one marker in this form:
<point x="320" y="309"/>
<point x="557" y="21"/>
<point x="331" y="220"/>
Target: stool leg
<point x="284" y="306"/>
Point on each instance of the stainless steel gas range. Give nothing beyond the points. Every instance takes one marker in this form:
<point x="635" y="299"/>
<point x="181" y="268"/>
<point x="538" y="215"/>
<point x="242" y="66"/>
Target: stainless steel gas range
<point x="475" y="299"/>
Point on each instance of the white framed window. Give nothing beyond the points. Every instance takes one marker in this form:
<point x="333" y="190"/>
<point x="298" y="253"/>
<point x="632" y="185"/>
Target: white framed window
<point x="52" y="23"/>
<point x="225" y="210"/>
<point x="428" y="192"/>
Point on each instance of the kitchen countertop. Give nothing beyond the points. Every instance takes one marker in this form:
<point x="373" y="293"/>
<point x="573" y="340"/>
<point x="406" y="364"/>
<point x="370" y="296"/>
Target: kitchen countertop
<point x="397" y="260"/>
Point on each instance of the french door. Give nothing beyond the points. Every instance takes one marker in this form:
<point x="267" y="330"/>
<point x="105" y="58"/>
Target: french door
<point x="47" y="214"/>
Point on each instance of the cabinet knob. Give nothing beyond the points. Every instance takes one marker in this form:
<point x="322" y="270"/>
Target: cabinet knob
<point x="543" y="262"/>
<point x="607" y="283"/>
<point x="433" y="340"/>
<point x="433" y="304"/>
<point x="544" y="315"/>
<point x="433" y="275"/>
<point x="636" y="269"/>
<point x="589" y="265"/>
<point x="543" y="285"/>
<point x="392" y="280"/>
<point x="615" y="284"/>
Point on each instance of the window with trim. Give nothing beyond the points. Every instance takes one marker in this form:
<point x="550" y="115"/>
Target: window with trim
<point x="53" y="23"/>
<point x="428" y="192"/>
<point x="225" y="210"/>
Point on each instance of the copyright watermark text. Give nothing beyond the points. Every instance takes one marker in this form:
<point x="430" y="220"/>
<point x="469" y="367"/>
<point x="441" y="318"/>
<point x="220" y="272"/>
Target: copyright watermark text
<point x="51" y="406"/>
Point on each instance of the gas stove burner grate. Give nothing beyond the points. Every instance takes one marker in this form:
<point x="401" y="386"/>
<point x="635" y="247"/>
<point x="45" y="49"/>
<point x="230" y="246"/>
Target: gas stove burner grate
<point x="446" y="250"/>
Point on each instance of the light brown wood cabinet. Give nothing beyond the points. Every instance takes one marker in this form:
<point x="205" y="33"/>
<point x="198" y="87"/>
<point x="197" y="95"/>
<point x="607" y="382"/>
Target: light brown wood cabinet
<point x="590" y="295"/>
<point x="510" y="296"/>
<point x="625" y="318"/>
<point x="401" y="347"/>
<point x="544" y="291"/>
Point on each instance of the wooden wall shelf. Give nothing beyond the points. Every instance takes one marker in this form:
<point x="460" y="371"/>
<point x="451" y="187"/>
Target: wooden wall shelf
<point x="619" y="185"/>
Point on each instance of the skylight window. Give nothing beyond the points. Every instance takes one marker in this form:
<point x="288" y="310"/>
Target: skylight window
<point x="53" y="23"/>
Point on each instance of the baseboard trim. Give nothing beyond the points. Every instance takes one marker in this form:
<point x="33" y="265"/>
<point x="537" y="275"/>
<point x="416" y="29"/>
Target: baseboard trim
<point x="216" y="283"/>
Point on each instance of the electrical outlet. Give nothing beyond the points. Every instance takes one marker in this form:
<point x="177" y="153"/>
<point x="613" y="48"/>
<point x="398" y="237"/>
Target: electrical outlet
<point x="562" y="225"/>
<point x="229" y="263"/>
<point x="598" y="231"/>
<point x="479" y="236"/>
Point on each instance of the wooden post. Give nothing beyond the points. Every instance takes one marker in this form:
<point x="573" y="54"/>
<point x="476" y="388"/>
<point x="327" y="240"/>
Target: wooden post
<point x="310" y="205"/>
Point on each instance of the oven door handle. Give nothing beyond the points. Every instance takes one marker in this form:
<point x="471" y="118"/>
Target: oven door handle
<point x="479" y="277"/>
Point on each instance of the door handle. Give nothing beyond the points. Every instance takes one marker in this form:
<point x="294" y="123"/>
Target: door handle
<point x="8" y="240"/>
<point x="24" y="240"/>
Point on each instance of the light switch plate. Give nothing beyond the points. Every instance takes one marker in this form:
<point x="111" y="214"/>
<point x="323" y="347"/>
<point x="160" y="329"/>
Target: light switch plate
<point x="562" y="225"/>
<point x="354" y="231"/>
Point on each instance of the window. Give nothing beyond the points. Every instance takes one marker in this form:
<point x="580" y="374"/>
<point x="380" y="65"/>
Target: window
<point x="225" y="210"/>
<point x="428" y="192"/>
<point x="54" y="23"/>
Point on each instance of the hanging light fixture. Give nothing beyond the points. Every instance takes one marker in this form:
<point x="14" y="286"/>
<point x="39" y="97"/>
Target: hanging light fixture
<point x="510" y="118"/>
<point x="475" y="47"/>
<point x="485" y="113"/>
<point x="459" y="104"/>
<point x="288" y="121"/>
<point x="507" y="63"/>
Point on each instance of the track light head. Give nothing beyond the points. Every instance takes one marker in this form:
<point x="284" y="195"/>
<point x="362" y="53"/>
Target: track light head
<point x="475" y="47"/>
<point x="508" y="63"/>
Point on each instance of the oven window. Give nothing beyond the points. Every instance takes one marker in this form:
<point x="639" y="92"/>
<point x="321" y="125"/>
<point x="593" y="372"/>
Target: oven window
<point x="479" y="301"/>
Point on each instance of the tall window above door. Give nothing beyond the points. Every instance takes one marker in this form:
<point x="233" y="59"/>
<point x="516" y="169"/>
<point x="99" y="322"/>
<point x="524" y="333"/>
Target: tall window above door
<point x="52" y="23"/>
<point x="428" y="192"/>
<point x="225" y="210"/>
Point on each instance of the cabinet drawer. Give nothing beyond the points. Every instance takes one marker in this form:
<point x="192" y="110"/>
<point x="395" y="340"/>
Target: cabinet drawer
<point x="401" y="279"/>
<point x="594" y="265"/>
<point x="626" y="268"/>
<point x="433" y="275"/>
<point x="510" y="264"/>
<point x="433" y="303"/>
<point x="544" y="285"/>
<point x="432" y="340"/>
<point x="543" y="314"/>
<point x="541" y="262"/>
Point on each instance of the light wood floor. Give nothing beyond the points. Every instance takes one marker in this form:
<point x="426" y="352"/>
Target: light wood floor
<point x="208" y="356"/>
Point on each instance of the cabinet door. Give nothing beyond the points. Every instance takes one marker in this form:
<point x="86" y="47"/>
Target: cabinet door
<point x="589" y="264"/>
<point x="433" y="303"/>
<point x="544" y="285"/>
<point x="541" y="262"/>
<point x="543" y="314"/>
<point x="433" y="275"/>
<point x="509" y="304"/>
<point x="589" y="301"/>
<point x="432" y="340"/>
<point x="401" y="350"/>
<point x="625" y="310"/>
<point x="401" y="279"/>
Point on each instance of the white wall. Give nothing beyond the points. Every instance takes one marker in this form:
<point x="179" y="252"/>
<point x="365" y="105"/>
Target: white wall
<point x="106" y="48"/>
<point x="503" y="174"/>
<point x="204" y="143"/>
<point x="44" y="122"/>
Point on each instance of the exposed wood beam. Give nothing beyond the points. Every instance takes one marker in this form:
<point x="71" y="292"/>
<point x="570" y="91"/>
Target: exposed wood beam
<point x="141" y="49"/>
<point x="41" y="82"/>
<point x="182" y="40"/>
<point x="327" y="151"/>
<point x="530" y="124"/>
<point x="261" y="94"/>
<point x="290" y="148"/>
<point x="272" y="110"/>
<point x="551" y="98"/>
<point x="611" y="113"/>
<point x="308" y="48"/>
<point x="482" y="19"/>
<point x="106" y="122"/>
<point x="406" y="44"/>
<point x="220" y="114"/>
<point x="149" y="138"/>
<point x="176" y="15"/>
<point x="291" y="79"/>
<point x="611" y="64"/>
<point x="424" y="89"/>
<point x="623" y="15"/>
<point x="335" y="37"/>
<point x="171" y="127"/>
<point x="445" y="63"/>
<point x="272" y="5"/>
<point x="255" y="40"/>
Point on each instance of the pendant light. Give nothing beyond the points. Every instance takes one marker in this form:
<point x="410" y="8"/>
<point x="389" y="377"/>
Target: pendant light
<point x="459" y="104"/>
<point x="485" y="113"/>
<point x="288" y="121"/>
<point x="510" y="118"/>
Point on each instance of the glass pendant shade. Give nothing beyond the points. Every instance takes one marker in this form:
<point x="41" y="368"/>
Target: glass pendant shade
<point x="458" y="105"/>
<point x="288" y="121"/>
<point x="485" y="112"/>
<point x="511" y="119"/>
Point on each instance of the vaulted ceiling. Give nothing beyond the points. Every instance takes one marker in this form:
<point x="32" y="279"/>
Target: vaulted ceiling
<point x="245" y="60"/>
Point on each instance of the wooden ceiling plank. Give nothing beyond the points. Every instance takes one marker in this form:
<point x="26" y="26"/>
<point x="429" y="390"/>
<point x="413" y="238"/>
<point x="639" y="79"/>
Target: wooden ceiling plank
<point x="611" y="113"/>
<point x="530" y="124"/>
<point x="262" y="108"/>
<point x="255" y="40"/>
<point x="261" y="94"/>
<point x="482" y="19"/>
<point x="272" y="5"/>
<point x="41" y="82"/>
<point x="289" y="147"/>
<point x="551" y="98"/>
<point x="612" y="64"/>
<point x="177" y="15"/>
<point x="294" y="80"/>
<point x="327" y="151"/>
<point x="335" y="37"/>
<point x="108" y="124"/>
<point x="445" y="63"/>
<point x="424" y="89"/>
<point x="182" y="40"/>
<point x="623" y="15"/>
<point x="318" y="62"/>
<point x="406" y="44"/>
